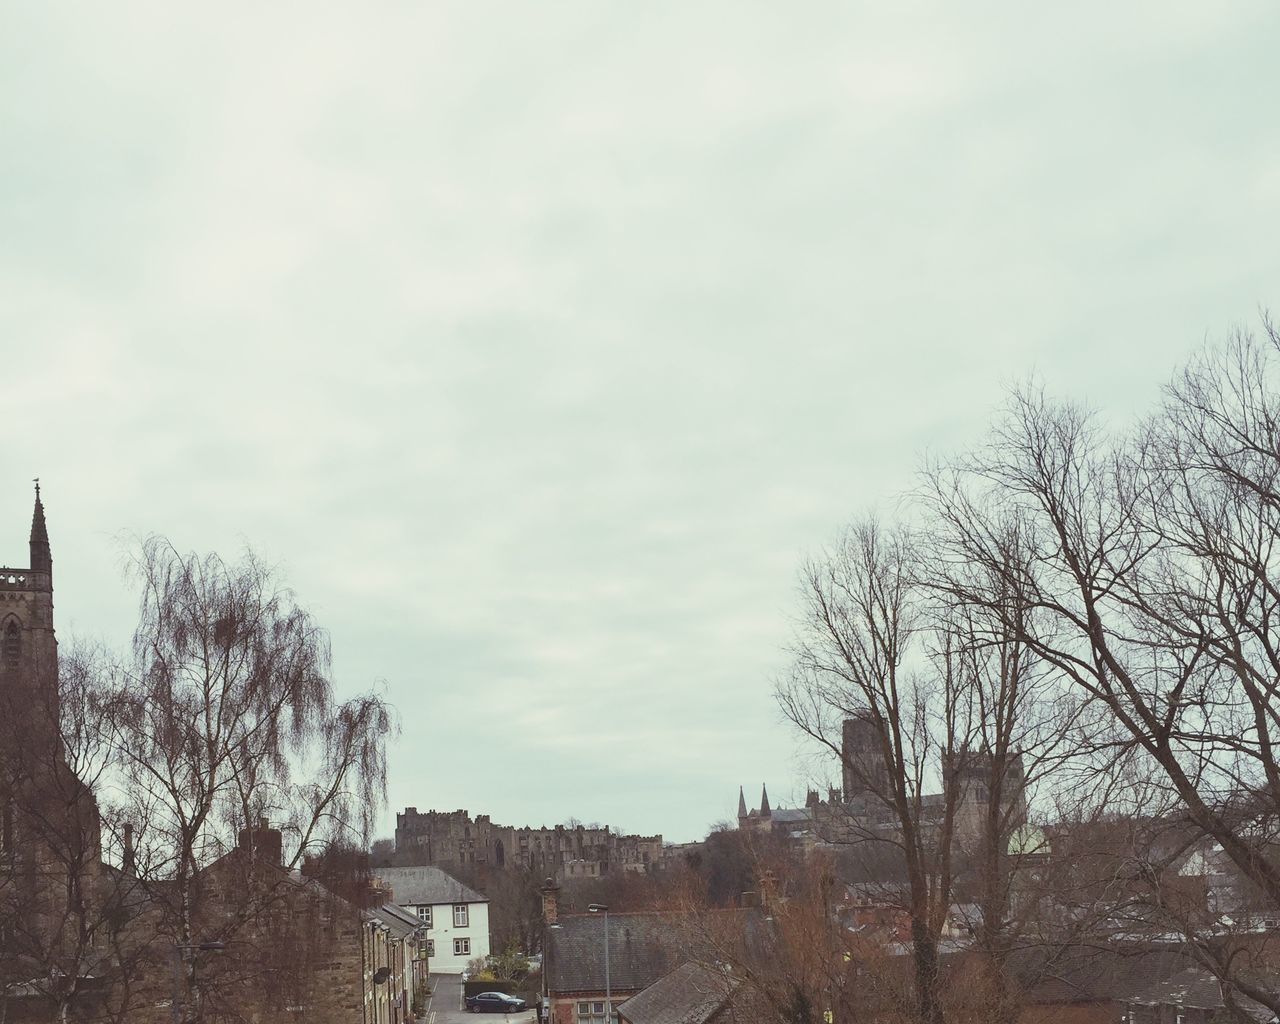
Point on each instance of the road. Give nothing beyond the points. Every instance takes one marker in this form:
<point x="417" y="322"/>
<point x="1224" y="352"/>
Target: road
<point x="445" y="1006"/>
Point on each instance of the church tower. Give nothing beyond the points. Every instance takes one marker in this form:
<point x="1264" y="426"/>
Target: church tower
<point x="28" y="648"/>
<point x="48" y="815"/>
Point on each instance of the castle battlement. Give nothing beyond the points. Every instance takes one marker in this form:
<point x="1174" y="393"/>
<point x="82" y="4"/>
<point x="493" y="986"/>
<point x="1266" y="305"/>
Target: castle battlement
<point x="454" y="838"/>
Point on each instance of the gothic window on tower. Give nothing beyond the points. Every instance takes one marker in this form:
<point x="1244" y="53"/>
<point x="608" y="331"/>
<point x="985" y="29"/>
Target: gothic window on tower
<point x="12" y="643"/>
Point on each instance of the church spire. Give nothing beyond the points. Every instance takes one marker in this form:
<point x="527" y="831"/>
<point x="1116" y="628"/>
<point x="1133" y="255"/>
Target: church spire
<point x="742" y="804"/>
<point x="41" y="557"/>
<point x="765" y="811"/>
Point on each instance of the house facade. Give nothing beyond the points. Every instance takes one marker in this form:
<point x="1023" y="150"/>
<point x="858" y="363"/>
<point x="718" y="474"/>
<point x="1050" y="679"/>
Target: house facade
<point x="390" y="940"/>
<point x="455" y="916"/>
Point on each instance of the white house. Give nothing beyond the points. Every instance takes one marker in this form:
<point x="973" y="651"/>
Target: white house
<point x="456" y="916"/>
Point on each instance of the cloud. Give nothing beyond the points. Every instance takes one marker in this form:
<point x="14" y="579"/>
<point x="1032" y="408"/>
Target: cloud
<point x="541" y="344"/>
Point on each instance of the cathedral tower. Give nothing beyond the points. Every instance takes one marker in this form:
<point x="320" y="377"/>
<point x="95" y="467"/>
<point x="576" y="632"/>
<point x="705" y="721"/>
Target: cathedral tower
<point x="863" y="774"/>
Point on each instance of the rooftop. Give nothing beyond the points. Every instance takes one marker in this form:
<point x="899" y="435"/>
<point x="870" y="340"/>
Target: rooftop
<point x="421" y="885"/>
<point x="642" y="948"/>
<point x="691" y="994"/>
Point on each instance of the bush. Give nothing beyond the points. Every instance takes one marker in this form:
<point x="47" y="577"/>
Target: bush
<point x="474" y="986"/>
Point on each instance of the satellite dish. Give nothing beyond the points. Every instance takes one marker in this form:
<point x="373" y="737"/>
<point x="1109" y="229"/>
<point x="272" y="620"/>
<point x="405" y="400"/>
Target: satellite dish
<point x="381" y="975"/>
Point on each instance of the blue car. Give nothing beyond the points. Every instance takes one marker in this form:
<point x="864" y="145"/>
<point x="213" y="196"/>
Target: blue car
<point x="495" y="1002"/>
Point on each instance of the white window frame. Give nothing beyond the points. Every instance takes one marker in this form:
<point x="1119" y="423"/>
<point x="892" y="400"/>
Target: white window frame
<point x="424" y="915"/>
<point x="462" y="947"/>
<point x="461" y="915"/>
<point x="592" y="1011"/>
<point x="431" y="946"/>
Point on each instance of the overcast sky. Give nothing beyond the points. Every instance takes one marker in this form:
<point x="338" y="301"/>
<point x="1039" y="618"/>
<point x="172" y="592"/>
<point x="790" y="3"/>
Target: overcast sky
<point x="538" y="343"/>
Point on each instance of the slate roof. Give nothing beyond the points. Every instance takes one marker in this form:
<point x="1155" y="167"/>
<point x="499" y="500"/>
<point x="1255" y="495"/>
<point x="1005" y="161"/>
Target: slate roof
<point x="1086" y="974"/>
<point x="642" y="948"/>
<point x="691" y="994"/>
<point x="401" y="923"/>
<point x="423" y="884"/>
<point x="1198" y="989"/>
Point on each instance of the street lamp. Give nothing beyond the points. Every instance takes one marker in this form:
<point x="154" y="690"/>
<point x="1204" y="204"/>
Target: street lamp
<point x="600" y="908"/>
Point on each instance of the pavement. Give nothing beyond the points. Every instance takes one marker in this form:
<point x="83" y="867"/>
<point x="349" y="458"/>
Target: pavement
<point x="445" y="1006"/>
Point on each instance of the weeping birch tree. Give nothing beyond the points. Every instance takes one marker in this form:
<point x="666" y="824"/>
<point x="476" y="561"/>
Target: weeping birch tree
<point x="227" y="732"/>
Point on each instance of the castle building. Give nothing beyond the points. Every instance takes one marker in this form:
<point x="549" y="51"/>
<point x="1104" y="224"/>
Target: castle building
<point x="453" y="839"/>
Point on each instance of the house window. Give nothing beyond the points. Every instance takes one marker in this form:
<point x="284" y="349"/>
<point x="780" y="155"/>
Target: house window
<point x="461" y="947"/>
<point x="593" y="1013"/>
<point x="460" y="917"/>
<point x="424" y="915"/>
<point x="429" y="947"/>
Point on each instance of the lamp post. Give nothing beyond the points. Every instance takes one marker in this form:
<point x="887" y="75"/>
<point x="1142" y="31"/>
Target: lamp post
<point x="600" y="908"/>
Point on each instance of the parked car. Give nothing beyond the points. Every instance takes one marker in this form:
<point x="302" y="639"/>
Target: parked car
<point x="495" y="1002"/>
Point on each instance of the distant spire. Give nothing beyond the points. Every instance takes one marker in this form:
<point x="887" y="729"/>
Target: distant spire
<point x="765" y="812"/>
<point x="742" y="804"/>
<point x="41" y="558"/>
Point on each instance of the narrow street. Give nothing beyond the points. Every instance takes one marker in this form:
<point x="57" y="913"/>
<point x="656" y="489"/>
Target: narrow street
<point x="445" y="1005"/>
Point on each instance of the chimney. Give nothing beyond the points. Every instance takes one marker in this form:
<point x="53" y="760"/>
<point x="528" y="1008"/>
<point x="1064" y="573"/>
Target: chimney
<point x="550" y="898"/>
<point x="263" y="843"/>
<point x="128" y="862"/>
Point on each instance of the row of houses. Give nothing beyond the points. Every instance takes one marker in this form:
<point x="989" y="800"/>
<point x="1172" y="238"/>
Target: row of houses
<point x="713" y="968"/>
<point x="271" y="945"/>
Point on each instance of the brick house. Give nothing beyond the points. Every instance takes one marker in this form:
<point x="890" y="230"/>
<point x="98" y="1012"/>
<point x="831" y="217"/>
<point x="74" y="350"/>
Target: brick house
<point x="291" y="949"/>
<point x="643" y="947"/>
<point x="1091" y="984"/>
<point x="391" y="947"/>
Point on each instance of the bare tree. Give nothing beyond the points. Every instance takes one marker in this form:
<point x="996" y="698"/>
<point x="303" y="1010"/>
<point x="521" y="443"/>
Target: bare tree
<point x="869" y="654"/>
<point x="912" y="672"/>
<point x="224" y="721"/>
<point x="786" y="958"/>
<point x="1151" y="567"/>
